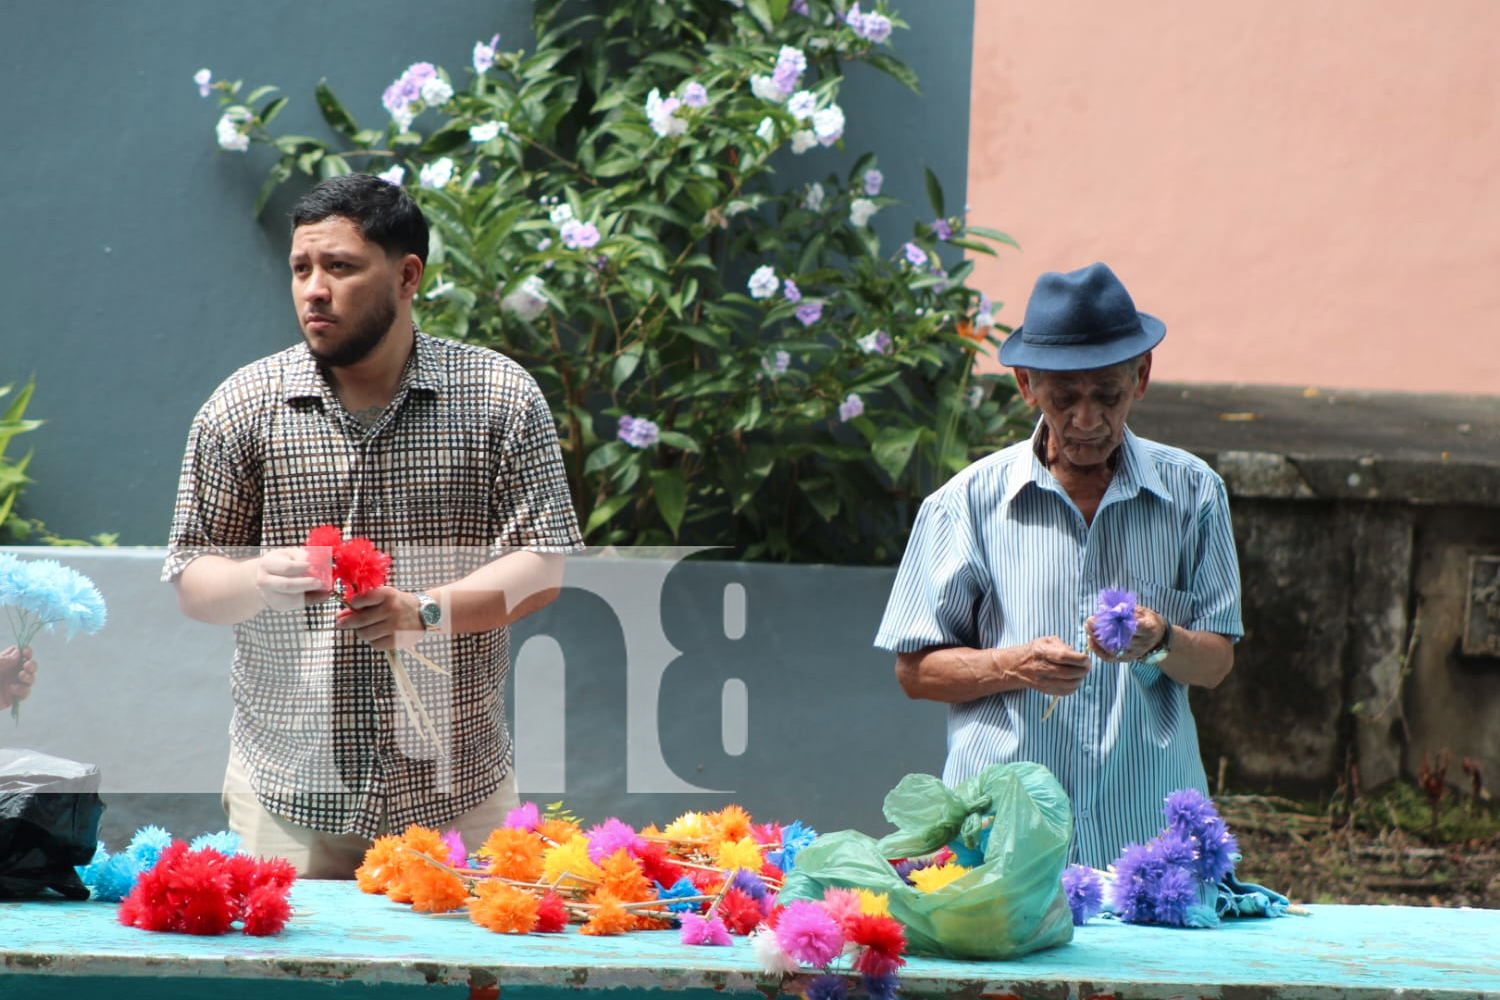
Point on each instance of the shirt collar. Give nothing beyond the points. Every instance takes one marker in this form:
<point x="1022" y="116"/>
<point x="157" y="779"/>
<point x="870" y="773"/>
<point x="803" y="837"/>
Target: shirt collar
<point x="1132" y="474"/>
<point x="305" y="381"/>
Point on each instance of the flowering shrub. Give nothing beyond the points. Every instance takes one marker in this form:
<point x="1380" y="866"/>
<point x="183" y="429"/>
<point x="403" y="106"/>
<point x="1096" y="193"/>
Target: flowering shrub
<point x="730" y="360"/>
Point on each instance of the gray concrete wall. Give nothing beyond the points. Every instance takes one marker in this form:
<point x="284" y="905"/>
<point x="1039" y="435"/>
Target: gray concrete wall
<point x="134" y="277"/>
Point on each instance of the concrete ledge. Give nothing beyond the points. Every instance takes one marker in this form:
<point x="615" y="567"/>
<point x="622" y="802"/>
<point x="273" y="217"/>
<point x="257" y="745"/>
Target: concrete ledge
<point x="1277" y="441"/>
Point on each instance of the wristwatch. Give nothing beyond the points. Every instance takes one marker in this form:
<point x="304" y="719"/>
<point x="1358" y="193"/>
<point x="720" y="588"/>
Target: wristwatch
<point x="431" y="611"/>
<point x="1159" y="652"/>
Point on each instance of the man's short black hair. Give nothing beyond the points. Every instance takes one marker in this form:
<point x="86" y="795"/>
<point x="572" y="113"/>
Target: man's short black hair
<point x="385" y="213"/>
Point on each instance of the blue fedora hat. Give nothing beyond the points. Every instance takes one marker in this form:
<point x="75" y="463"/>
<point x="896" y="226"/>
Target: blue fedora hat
<point x="1080" y="320"/>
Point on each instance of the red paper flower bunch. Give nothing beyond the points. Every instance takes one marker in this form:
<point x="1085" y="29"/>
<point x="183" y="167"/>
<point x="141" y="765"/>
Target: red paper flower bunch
<point x="348" y="567"/>
<point x="207" y="892"/>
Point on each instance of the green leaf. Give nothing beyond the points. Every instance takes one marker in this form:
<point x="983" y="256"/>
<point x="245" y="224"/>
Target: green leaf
<point x="968" y="244"/>
<point x="934" y="191"/>
<point x="893" y="449"/>
<point x="890" y="65"/>
<point x="601" y="514"/>
<point x="605" y="456"/>
<point x="260" y="92"/>
<point x="445" y="140"/>
<point x="275" y="177"/>
<point x="272" y="110"/>
<point x="671" y="497"/>
<point x="821" y="493"/>
<point x="333" y="112"/>
<point x="992" y="234"/>
<point x="678" y="440"/>
<point x="625" y="365"/>
<point x="761" y="11"/>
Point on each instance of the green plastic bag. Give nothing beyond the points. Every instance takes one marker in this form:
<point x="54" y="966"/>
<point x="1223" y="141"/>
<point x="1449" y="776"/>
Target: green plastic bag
<point x="1010" y="904"/>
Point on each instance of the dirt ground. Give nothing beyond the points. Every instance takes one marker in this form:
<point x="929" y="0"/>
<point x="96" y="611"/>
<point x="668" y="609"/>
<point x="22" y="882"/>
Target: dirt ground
<point x="1314" y="858"/>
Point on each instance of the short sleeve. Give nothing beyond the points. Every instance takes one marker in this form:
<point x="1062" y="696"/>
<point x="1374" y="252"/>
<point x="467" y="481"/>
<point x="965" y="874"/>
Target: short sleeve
<point x="936" y="596"/>
<point x="1216" y="575"/>
<point x="218" y="496"/>
<point x="533" y="504"/>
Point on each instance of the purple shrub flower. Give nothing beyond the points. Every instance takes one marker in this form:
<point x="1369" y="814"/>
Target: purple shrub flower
<point x="579" y="235"/>
<point x="874" y="179"/>
<point x="915" y="254"/>
<point x="694" y="95"/>
<point x="790" y="291"/>
<point x="484" y="54"/>
<point x="790" y="65"/>
<point x="1114" y="619"/>
<point x="798" y="7"/>
<point x="941" y="229"/>
<point x="851" y="407"/>
<point x="638" y="432"/>
<point x="1085" y="892"/>
<point x="875" y="342"/>
<point x="871" y="27"/>
<point x="809" y="313"/>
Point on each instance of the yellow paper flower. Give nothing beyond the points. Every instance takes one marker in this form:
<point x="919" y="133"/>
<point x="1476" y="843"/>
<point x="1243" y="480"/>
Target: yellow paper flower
<point x="688" y="826"/>
<point x="873" y="904"/>
<point x="570" y="858"/>
<point x="933" y="879"/>
<point x="742" y="853"/>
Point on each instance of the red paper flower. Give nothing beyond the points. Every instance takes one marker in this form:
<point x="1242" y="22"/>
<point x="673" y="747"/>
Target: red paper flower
<point x="882" y="940"/>
<point x="551" y="914"/>
<point x="741" y="912"/>
<point x="360" y="566"/>
<point x="205" y="892"/>
<point x="322" y="544"/>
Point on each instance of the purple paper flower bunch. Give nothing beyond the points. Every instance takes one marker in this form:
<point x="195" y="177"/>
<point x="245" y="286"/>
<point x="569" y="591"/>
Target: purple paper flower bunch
<point x="1114" y="619"/>
<point x="1159" y="882"/>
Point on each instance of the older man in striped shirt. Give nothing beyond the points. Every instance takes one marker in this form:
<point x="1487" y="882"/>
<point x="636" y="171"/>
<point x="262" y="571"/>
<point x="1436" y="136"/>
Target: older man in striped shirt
<point x="991" y="611"/>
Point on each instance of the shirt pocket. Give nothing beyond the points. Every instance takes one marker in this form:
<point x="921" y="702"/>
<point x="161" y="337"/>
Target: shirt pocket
<point x="1180" y="607"/>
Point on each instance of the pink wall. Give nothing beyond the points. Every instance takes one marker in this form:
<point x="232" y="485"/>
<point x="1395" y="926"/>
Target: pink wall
<point x="1307" y="193"/>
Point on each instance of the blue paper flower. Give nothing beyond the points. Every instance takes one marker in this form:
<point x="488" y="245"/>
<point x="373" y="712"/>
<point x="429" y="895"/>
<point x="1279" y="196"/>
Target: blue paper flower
<point x="881" y="987"/>
<point x="750" y="883"/>
<point x="827" y="988"/>
<point x="681" y="889"/>
<point x="41" y="593"/>
<point x="147" y="844"/>
<point x="1114" y="619"/>
<point x="226" y="842"/>
<point x="794" y="837"/>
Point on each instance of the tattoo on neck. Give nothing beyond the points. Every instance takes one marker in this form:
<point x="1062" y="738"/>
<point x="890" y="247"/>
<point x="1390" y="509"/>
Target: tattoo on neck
<point x="367" y="417"/>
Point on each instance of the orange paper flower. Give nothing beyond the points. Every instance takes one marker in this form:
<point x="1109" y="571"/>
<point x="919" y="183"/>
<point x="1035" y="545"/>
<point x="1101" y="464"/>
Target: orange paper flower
<point x="513" y="854"/>
<point x="379" y="867"/>
<point x="609" y="918"/>
<point x="504" y="908"/>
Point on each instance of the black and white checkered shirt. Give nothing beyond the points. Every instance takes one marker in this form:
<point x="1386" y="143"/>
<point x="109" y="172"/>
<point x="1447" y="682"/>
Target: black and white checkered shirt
<point x="462" y="467"/>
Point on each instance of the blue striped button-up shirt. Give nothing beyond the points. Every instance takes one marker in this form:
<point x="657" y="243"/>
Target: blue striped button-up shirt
<point x="1000" y="556"/>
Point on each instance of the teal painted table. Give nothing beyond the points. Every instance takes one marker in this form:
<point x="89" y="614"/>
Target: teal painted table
<point x="342" y="943"/>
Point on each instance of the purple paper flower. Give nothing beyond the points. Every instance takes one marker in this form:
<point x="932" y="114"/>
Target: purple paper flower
<point x="809" y="313"/>
<point x="941" y="229"/>
<point x="579" y="235"/>
<point x="790" y="291"/>
<point x="827" y="987"/>
<point x="638" y="432"/>
<point x="881" y="987"/>
<point x="873" y="181"/>
<point x="695" y="95"/>
<point x="1217" y="850"/>
<point x="790" y="65"/>
<point x="1114" y="619"/>
<point x="915" y="254"/>
<point x="1085" y="892"/>
<point x="851" y="407"/>
<point x="750" y="883"/>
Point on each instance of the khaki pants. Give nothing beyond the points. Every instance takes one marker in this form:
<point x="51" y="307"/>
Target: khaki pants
<point x="316" y="854"/>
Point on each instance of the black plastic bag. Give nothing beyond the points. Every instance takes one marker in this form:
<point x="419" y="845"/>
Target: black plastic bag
<point x="49" y="822"/>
